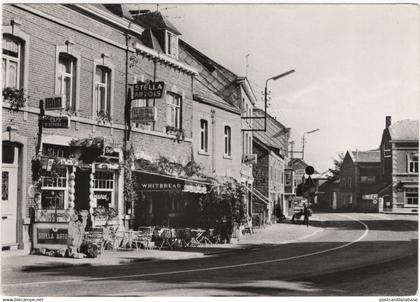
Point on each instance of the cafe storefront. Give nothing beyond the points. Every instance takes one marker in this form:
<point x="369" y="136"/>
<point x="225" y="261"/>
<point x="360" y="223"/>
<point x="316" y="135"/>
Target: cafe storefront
<point x="80" y="177"/>
<point x="165" y="200"/>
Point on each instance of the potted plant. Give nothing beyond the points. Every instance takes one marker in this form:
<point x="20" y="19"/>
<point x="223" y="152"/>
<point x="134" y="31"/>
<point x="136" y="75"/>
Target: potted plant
<point x="105" y="214"/>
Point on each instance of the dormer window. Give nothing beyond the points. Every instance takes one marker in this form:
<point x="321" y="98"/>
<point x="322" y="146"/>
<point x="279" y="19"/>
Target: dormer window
<point x="171" y="46"/>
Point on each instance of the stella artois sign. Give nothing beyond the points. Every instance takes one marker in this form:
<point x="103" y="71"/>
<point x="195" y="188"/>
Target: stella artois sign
<point x="148" y="90"/>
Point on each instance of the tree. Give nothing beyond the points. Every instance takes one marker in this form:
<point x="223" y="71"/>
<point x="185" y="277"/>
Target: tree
<point x="337" y="166"/>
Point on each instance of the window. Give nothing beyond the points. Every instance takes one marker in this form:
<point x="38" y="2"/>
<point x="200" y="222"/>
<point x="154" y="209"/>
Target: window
<point x="54" y="189"/>
<point x="204" y="136"/>
<point x="173" y="113"/>
<point x="413" y="163"/>
<point x="5" y="185"/>
<point x="104" y="188"/>
<point x="103" y="90"/>
<point x="411" y="196"/>
<point x="145" y="103"/>
<point x="349" y="182"/>
<point x="171" y="45"/>
<point x="12" y="62"/>
<point x="228" y="141"/>
<point x="343" y="181"/>
<point x="66" y="77"/>
<point x="367" y="179"/>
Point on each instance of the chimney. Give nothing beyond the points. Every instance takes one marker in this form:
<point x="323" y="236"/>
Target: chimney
<point x="387" y="121"/>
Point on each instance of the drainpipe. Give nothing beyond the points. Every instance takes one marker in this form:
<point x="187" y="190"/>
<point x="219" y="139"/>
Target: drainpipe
<point x="213" y="140"/>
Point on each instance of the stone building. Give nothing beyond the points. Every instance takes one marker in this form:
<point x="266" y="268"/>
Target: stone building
<point x="269" y="171"/>
<point x="399" y="166"/>
<point x="359" y="175"/>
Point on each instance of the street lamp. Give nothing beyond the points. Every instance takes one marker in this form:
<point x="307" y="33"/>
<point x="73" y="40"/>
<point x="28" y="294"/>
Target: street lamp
<point x="265" y="92"/>
<point x="303" y="140"/>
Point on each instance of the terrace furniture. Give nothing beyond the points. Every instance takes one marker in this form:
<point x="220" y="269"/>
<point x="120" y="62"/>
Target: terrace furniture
<point x="143" y="237"/>
<point x="166" y="236"/>
<point x="96" y="237"/>
<point x="196" y="235"/>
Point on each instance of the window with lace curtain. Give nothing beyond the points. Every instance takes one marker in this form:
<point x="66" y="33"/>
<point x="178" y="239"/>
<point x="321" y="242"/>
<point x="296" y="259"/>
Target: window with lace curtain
<point x="66" y="77"/>
<point x="12" y="62"/>
<point x="103" y="90"/>
<point x="173" y="113"/>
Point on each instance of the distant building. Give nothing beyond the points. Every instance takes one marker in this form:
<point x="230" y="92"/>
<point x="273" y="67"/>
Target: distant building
<point x="399" y="166"/>
<point x="359" y="175"/>
<point x="269" y="171"/>
<point x="297" y="176"/>
<point x="328" y="195"/>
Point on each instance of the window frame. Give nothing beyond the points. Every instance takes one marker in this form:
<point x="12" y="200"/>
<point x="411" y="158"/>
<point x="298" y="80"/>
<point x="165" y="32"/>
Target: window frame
<point x="106" y="85"/>
<point x="227" y="140"/>
<point x="106" y="65"/>
<point x="67" y="50"/>
<point x="114" y="182"/>
<point x="410" y="161"/>
<point x="204" y="136"/>
<point x="65" y="188"/>
<point x="16" y="32"/>
<point x="407" y="198"/>
<point x="175" y="110"/>
<point x="9" y="58"/>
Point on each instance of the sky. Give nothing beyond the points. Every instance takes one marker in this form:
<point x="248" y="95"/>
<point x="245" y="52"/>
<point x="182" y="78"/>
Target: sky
<point x="354" y="65"/>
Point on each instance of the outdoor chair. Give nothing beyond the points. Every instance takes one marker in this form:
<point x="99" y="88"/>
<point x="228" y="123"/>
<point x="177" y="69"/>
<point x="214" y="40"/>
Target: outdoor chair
<point x="166" y="236"/>
<point x="204" y="239"/>
<point x="195" y="237"/>
<point x="143" y="237"/>
<point x="180" y="238"/>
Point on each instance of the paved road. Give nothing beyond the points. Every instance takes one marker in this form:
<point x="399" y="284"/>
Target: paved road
<point x="355" y="254"/>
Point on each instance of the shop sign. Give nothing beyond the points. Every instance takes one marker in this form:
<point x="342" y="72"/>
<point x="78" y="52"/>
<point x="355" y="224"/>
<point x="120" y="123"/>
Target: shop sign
<point x="52" y="236"/>
<point x="53" y="103"/>
<point x="56" y="121"/>
<point x="370" y="196"/>
<point x="155" y="187"/>
<point x="249" y="158"/>
<point x="143" y="114"/>
<point x="148" y="90"/>
<point x="103" y="196"/>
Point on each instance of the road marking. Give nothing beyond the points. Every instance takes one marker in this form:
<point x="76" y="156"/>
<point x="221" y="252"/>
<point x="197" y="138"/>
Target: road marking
<point x="204" y="269"/>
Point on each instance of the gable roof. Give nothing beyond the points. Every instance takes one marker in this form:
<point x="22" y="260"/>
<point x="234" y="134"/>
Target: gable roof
<point x="405" y="130"/>
<point x="203" y="94"/>
<point x="372" y="156"/>
<point x="155" y="20"/>
<point x="298" y="163"/>
<point x="276" y="134"/>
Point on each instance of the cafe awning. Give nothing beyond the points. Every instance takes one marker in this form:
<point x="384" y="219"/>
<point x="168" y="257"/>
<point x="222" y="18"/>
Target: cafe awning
<point x="156" y="182"/>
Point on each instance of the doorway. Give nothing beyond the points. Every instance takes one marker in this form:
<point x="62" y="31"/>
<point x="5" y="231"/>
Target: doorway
<point x="9" y="195"/>
<point x="81" y="188"/>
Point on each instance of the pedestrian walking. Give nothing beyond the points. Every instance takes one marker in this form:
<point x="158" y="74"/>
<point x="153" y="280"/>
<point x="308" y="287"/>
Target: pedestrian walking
<point x="306" y="215"/>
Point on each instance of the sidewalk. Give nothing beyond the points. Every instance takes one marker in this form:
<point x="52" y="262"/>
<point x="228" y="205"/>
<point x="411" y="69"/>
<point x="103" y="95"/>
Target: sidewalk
<point x="275" y="234"/>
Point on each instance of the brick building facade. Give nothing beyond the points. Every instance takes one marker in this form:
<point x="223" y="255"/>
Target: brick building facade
<point x="89" y="55"/>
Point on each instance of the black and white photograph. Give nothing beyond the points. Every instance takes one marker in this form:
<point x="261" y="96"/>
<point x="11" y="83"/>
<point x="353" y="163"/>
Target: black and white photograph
<point x="178" y="150"/>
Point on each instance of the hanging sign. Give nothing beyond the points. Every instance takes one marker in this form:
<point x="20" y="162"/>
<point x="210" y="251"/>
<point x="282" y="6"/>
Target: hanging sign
<point x="53" y="103"/>
<point x="148" y="90"/>
<point x="56" y="121"/>
<point x="249" y="158"/>
<point x="143" y="114"/>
